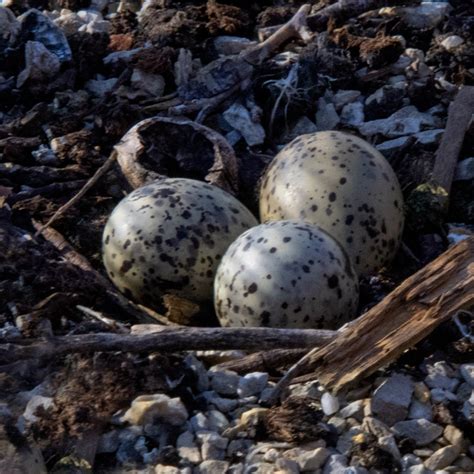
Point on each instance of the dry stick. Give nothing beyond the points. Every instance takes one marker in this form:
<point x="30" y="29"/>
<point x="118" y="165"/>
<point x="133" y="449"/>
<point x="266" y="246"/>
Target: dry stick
<point x="263" y="361"/>
<point x="460" y="115"/>
<point x="167" y="339"/>
<point x="93" y="180"/>
<point x="75" y="258"/>
<point x="403" y="318"/>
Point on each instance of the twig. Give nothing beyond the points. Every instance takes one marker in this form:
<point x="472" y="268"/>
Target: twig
<point x="166" y="339"/>
<point x="93" y="180"/>
<point x="460" y="115"/>
<point x="112" y="324"/>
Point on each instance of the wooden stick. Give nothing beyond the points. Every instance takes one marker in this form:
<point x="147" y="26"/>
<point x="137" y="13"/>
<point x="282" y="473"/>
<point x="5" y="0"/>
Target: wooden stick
<point x="263" y="361"/>
<point x="97" y="175"/>
<point x="167" y="339"/>
<point x="460" y="115"/>
<point x="407" y="315"/>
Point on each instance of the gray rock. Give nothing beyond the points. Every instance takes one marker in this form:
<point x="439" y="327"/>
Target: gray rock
<point x="429" y="137"/>
<point x="187" y="448"/>
<point x="417" y="469"/>
<point x="465" y="171"/>
<point x="442" y="395"/>
<point x="34" y="403"/>
<point x="260" y="468"/>
<point x="40" y="64"/>
<point x="468" y="407"/>
<point x="303" y="126"/>
<point x="329" y="404"/>
<point x="308" y="460"/>
<point x="38" y="27"/>
<point x="149" y="85"/>
<point x="287" y="466"/>
<point x="162" y="469"/>
<point x="391" y="399"/>
<point x="228" y="45"/>
<point x="376" y="427"/>
<point x="440" y="376"/>
<point x="217" y="421"/>
<point x="96" y="26"/>
<point x="100" y="87"/>
<point x="442" y="458"/>
<point x="355" y="470"/>
<point x="425" y="16"/>
<point x="420" y="410"/>
<point x="391" y="146"/>
<point x="345" y="441"/>
<point x="410" y="460"/>
<point x="238" y="448"/>
<point x="406" y="121"/>
<point x="309" y="389"/>
<point x="199" y="422"/>
<point x="383" y="102"/>
<point x="225" y="382"/>
<point x="465" y="463"/>
<point x="240" y="119"/>
<point x="335" y="464"/>
<point x="199" y="370"/>
<point x="452" y="42"/>
<point x="344" y="97"/>
<point x="212" y="467"/>
<point x="326" y="116"/>
<point x="222" y="404"/>
<point x="421" y="431"/>
<point x="9" y="26"/>
<point x="146" y="408"/>
<point x="213" y="446"/>
<point x="388" y="443"/>
<point x="353" y="114"/>
<point x="355" y="410"/>
<point x="339" y="423"/>
<point x="454" y="436"/>
<point x="108" y="442"/>
<point x="252" y="384"/>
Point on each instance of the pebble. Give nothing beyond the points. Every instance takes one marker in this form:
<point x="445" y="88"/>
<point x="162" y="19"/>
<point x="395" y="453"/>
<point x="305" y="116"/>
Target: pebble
<point x="34" y="403"/>
<point x="146" y="408"/>
<point x="454" y="436"/>
<point x="225" y="382"/>
<point x="465" y="172"/>
<point x="467" y="370"/>
<point x="240" y="119"/>
<point x="213" y="446"/>
<point x="465" y="463"/>
<point x="329" y="404"/>
<point x="252" y="384"/>
<point x="353" y="114"/>
<point x="108" y="442"/>
<point x="217" y="421"/>
<point x="238" y="447"/>
<point x="452" y="42"/>
<point x="212" y="467"/>
<point x="442" y="458"/>
<point x="376" y="427"/>
<point x="287" y="466"/>
<point x="422" y="392"/>
<point x="468" y="408"/>
<point x="187" y="448"/>
<point x="227" y="45"/>
<point x="421" y="431"/>
<point x="326" y="117"/>
<point x="199" y="422"/>
<point x="162" y="469"/>
<point x="338" y="423"/>
<point x="388" y="443"/>
<point x="420" y="410"/>
<point x="417" y="469"/>
<point x="441" y="395"/>
<point x="222" y="404"/>
<point x="355" y="410"/>
<point x="391" y="400"/>
<point x="439" y="376"/>
<point x="303" y="126"/>
<point x="335" y="464"/>
<point x="344" y="97"/>
<point x="199" y="370"/>
<point x="345" y="441"/>
<point x="409" y="460"/>
<point x="307" y="460"/>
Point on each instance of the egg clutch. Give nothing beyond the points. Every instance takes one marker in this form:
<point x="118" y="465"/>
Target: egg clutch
<point x="331" y="210"/>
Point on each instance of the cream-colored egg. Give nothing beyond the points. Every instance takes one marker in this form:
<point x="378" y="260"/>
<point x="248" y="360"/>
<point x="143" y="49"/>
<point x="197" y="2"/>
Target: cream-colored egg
<point x="344" y="185"/>
<point x="169" y="236"/>
<point x="285" y="274"/>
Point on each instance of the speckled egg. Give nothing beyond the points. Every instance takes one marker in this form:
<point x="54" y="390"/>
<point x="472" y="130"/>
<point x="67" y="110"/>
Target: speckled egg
<point x="285" y="274"/>
<point x="343" y="184"/>
<point x="169" y="236"/>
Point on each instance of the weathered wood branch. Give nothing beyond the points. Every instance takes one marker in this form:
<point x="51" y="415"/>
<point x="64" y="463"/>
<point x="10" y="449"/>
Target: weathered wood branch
<point x="166" y="339"/>
<point x="402" y="319"/>
<point x="460" y="115"/>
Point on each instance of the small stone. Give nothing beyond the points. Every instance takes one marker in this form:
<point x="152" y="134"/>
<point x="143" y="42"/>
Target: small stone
<point x="353" y="114"/>
<point x="375" y="427"/>
<point x="468" y="407"/>
<point x="338" y="423"/>
<point x="326" y="117"/>
<point x="383" y="102"/>
<point x="420" y="410"/>
<point x="271" y="455"/>
<point x="228" y="45"/>
<point x="439" y="377"/>
<point x="199" y="370"/>
<point x="409" y="460"/>
<point x="442" y="395"/>
<point x="467" y="370"/>
<point x="40" y="64"/>
<point x="452" y="42"/>
<point x="162" y="469"/>
<point x="225" y="382"/>
<point x="422" y="392"/>
<point x="355" y="409"/>
<point x="108" y="442"/>
<point x="329" y="404"/>
<point x="199" y="422"/>
<point x="335" y="464"/>
<point x="344" y="97"/>
<point x="391" y="400"/>
<point x="187" y="448"/>
<point x="149" y="85"/>
<point x="260" y="468"/>
<point x="421" y="431"/>
<point x="465" y="463"/>
<point x="240" y="119"/>
<point x="252" y="384"/>
<point x="308" y="460"/>
<point x="442" y="458"/>
<point x="429" y="137"/>
<point x="417" y="469"/>
<point x="345" y="441"/>
<point x="303" y="126"/>
<point x="306" y="390"/>
<point x="100" y="87"/>
<point x="222" y="404"/>
<point x="238" y="448"/>
<point x="212" y="467"/>
<point x="287" y="466"/>
<point x="425" y="16"/>
<point x="146" y="408"/>
<point x="388" y="443"/>
<point x="390" y="146"/>
<point x="423" y="452"/>
<point x="217" y="421"/>
<point x="465" y="172"/>
<point x="213" y="446"/>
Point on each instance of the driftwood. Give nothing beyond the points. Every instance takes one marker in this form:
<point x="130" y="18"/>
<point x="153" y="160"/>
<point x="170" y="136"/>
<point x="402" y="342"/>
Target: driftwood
<point x="407" y="315"/>
<point x="165" y="339"/>
<point x="459" y="119"/>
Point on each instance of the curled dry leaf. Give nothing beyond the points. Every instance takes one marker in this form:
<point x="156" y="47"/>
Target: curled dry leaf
<point x="161" y="147"/>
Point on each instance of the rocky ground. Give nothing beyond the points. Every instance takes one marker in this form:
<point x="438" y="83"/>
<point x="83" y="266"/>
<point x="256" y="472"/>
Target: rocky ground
<point x="75" y="75"/>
